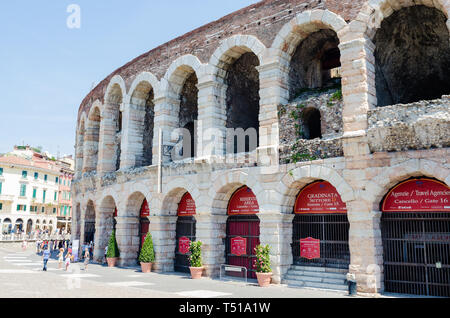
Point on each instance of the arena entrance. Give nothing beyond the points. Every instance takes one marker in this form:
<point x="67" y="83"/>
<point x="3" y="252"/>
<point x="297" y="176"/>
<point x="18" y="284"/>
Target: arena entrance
<point x="242" y="231"/>
<point x="144" y="223"/>
<point x="89" y="223"/>
<point x="320" y="228"/>
<point x="185" y="232"/>
<point x="415" y="229"/>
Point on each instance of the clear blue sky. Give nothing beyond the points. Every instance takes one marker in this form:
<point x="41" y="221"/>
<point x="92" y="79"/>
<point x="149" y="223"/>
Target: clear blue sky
<point x="46" y="69"/>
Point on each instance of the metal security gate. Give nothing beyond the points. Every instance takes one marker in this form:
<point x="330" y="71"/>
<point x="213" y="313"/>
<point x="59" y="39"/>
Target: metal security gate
<point x="247" y="227"/>
<point x="331" y="230"/>
<point x="89" y="231"/>
<point x="185" y="228"/>
<point x="144" y="225"/>
<point x="416" y="249"/>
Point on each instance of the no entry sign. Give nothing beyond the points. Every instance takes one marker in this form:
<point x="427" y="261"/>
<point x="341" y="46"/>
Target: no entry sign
<point x="310" y="248"/>
<point x="238" y="246"/>
<point x="319" y="197"/>
<point x="418" y="195"/>
<point x="186" y="207"/>
<point x="243" y="201"/>
<point x="183" y="245"/>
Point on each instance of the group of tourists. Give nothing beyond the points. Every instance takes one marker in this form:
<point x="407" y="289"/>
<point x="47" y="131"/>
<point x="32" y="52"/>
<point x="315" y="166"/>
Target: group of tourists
<point x="64" y="256"/>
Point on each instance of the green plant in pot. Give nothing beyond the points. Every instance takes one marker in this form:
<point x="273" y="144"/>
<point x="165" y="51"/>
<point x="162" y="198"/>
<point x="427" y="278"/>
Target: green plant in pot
<point x="112" y="253"/>
<point x="262" y="265"/>
<point x="195" y="259"/>
<point x="147" y="255"/>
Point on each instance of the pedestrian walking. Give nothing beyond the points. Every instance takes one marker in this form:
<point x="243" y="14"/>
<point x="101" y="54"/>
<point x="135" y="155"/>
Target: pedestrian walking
<point x="68" y="257"/>
<point x="45" y="257"/>
<point x="24" y="245"/>
<point x="106" y="252"/>
<point x="60" y="258"/>
<point x="86" y="258"/>
<point x="38" y="244"/>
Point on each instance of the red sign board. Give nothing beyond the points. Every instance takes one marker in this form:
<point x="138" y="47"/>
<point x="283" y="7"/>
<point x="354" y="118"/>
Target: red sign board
<point x="310" y="248"/>
<point x="183" y="245"/>
<point x="115" y="212"/>
<point x="319" y="197"/>
<point x="238" y="246"/>
<point x="243" y="201"/>
<point x="145" y="211"/>
<point x="418" y="195"/>
<point x="144" y="231"/>
<point x="186" y="206"/>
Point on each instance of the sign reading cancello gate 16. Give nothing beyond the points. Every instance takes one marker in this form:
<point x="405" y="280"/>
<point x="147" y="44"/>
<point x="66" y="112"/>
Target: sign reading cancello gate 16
<point x="319" y="197"/>
<point x="418" y="195"/>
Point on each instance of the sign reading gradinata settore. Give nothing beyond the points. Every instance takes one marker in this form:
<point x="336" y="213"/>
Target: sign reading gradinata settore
<point x="319" y="197"/>
<point x="145" y="211"/>
<point x="418" y="195"/>
<point x="243" y="201"/>
<point x="186" y="206"/>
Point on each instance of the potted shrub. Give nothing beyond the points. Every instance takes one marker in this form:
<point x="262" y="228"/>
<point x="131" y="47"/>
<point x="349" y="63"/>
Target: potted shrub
<point x="262" y="264"/>
<point x="113" y="250"/>
<point x="195" y="260"/>
<point x="147" y="255"/>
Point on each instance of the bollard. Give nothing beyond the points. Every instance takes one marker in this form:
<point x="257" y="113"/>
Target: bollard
<point x="351" y="281"/>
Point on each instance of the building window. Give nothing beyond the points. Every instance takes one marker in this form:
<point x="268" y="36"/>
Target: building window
<point x="45" y="178"/>
<point x="56" y="180"/>
<point x="43" y="209"/>
<point x="23" y="190"/>
<point x="54" y="210"/>
<point x="1" y="206"/>
<point x="36" y="176"/>
<point x="56" y="194"/>
<point x="1" y="171"/>
<point x="21" y="207"/>
<point x="43" y="196"/>
<point x="34" y="193"/>
<point x="24" y="174"/>
<point x="0" y="188"/>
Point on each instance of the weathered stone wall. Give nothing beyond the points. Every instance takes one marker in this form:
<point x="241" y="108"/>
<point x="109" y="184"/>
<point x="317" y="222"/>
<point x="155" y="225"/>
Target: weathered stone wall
<point x="421" y="125"/>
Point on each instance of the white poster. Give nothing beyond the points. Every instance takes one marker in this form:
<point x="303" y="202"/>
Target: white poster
<point x="75" y="246"/>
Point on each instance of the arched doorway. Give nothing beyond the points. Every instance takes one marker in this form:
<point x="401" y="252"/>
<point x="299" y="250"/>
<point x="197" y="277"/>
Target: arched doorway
<point x="144" y="223"/>
<point x="320" y="227"/>
<point x="89" y="223"/>
<point x="185" y="232"/>
<point x="7" y="226"/>
<point x="29" y="226"/>
<point x="18" y="226"/>
<point x="242" y="230"/>
<point x="415" y="229"/>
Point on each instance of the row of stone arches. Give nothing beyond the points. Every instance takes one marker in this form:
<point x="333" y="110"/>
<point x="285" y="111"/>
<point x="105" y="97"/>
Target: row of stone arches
<point x="244" y="82"/>
<point x="21" y="225"/>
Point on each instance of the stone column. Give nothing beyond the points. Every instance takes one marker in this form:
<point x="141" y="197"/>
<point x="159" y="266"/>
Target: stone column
<point x="107" y="147"/>
<point x="163" y="230"/>
<point x="211" y="231"/>
<point x="91" y="147"/>
<point x="166" y="119"/>
<point x="276" y="230"/>
<point x="127" y="236"/>
<point x="366" y="246"/>
<point x="212" y="118"/>
<point x="103" y="229"/>
<point x="133" y="130"/>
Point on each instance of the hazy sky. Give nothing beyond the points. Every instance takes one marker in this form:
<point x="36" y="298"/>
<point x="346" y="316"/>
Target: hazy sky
<point x="47" y="68"/>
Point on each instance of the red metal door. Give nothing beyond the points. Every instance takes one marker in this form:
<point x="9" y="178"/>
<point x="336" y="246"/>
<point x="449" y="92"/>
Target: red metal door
<point x="143" y="230"/>
<point x="247" y="227"/>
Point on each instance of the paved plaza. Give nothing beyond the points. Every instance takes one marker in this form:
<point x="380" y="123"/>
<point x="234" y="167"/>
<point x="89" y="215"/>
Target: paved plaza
<point x="21" y="275"/>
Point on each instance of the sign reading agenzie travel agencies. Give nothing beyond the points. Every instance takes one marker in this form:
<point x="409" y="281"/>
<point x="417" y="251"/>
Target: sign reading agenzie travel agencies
<point x="186" y="207"/>
<point x="418" y="195"/>
<point x="243" y="201"/>
<point x="319" y="197"/>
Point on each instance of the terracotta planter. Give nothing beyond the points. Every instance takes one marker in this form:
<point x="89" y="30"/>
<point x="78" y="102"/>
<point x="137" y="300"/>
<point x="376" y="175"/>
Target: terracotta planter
<point x="264" y="279"/>
<point x="146" y="267"/>
<point x="111" y="261"/>
<point x="196" y="272"/>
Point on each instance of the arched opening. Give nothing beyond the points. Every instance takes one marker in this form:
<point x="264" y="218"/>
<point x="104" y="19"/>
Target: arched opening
<point x="415" y="230"/>
<point x="242" y="231"/>
<point x="6" y="226"/>
<point x="37" y="226"/>
<point x="315" y="63"/>
<point x="91" y="141"/>
<point x="89" y="223"/>
<point x="242" y="103"/>
<point x="105" y="226"/>
<point x="412" y="56"/>
<point x="185" y="232"/>
<point x="29" y="226"/>
<point x="189" y="114"/>
<point x="144" y="223"/>
<point x="112" y="130"/>
<point x="18" y="228"/>
<point x="320" y="228"/>
<point x="312" y="124"/>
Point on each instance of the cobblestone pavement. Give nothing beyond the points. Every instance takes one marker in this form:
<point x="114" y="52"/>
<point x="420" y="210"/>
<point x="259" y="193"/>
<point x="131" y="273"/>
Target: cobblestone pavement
<point x="21" y="275"/>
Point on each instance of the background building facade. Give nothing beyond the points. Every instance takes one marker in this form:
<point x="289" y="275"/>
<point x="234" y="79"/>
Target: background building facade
<point x="348" y="108"/>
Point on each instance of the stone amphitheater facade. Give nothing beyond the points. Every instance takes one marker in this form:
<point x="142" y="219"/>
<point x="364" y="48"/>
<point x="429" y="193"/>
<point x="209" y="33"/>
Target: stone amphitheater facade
<point x="122" y="158"/>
